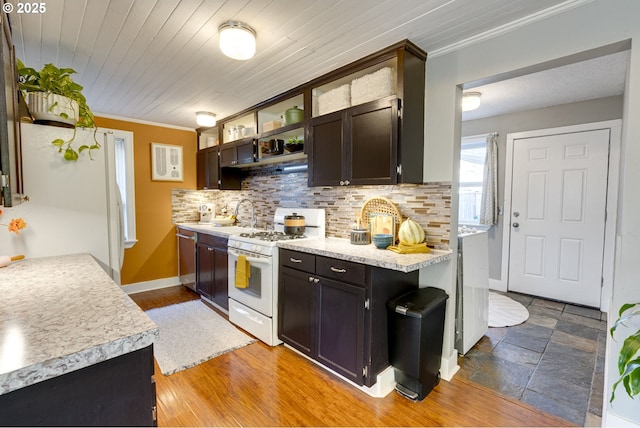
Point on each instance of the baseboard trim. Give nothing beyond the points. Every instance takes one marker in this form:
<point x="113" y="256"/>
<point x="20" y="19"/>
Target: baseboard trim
<point x="154" y="284"/>
<point x="497" y="284"/>
<point x="449" y="366"/>
<point x="385" y="381"/>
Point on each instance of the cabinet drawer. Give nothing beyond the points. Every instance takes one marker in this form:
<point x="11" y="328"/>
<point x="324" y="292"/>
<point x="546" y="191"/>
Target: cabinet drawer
<point x="341" y="270"/>
<point x="212" y="241"/>
<point x="301" y="261"/>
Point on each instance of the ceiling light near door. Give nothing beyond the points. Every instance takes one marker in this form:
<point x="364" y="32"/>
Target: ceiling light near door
<point x="470" y="101"/>
<point x="237" y="40"/>
<point x="205" y="118"/>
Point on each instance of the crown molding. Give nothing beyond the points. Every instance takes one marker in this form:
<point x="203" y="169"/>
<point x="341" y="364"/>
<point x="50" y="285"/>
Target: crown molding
<point x="514" y="25"/>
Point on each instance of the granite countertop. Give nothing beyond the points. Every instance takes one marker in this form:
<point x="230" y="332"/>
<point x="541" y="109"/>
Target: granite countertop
<point x="366" y="254"/>
<point x="60" y="314"/>
<point x="338" y="248"/>
<point x="210" y="229"/>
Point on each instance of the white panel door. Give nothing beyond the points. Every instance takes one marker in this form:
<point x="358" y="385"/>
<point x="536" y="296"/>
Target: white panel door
<point x="558" y="202"/>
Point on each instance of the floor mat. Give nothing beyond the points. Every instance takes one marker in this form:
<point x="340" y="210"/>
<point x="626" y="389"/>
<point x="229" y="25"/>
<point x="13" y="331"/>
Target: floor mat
<point x="192" y="333"/>
<point x="505" y="312"/>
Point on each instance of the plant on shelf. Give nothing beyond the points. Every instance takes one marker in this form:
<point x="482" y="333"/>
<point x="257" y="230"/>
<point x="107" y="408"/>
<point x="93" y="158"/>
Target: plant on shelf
<point x="294" y="144"/>
<point x="45" y="87"/>
<point x="629" y="356"/>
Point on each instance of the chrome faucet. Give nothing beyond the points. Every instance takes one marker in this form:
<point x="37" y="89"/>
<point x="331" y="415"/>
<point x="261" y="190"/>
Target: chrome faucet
<point x="253" y="218"/>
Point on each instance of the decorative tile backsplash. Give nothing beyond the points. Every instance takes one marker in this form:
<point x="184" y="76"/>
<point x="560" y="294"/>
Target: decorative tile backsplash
<point x="268" y="188"/>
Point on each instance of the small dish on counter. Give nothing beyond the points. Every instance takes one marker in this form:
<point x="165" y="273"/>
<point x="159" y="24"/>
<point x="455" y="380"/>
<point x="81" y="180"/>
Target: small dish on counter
<point x="382" y="240"/>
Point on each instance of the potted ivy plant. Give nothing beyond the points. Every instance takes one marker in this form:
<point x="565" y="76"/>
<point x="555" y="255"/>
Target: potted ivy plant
<point x="629" y="355"/>
<point x="53" y="96"/>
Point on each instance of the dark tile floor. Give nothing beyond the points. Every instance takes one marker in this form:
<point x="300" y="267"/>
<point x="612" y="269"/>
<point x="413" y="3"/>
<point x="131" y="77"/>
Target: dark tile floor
<point x="554" y="361"/>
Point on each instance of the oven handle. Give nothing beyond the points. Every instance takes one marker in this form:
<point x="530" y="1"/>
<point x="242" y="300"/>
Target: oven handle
<point x="250" y="259"/>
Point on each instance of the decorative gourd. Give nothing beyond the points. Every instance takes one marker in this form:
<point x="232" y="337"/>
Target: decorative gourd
<point x="410" y="232"/>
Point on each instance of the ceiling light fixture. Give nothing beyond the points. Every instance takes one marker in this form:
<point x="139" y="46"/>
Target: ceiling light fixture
<point x="237" y="40"/>
<point x="470" y="101"/>
<point x="205" y="118"/>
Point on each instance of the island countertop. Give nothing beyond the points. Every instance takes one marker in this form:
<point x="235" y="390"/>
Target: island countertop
<point x="339" y="248"/>
<point x="60" y="314"/>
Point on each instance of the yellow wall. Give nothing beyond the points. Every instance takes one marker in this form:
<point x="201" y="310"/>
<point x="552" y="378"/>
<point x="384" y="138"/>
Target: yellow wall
<point x="155" y="254"/>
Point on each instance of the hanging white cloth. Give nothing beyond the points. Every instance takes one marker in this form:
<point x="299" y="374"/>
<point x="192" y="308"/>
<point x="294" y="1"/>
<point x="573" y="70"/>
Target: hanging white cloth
<point x="489" y="201"/>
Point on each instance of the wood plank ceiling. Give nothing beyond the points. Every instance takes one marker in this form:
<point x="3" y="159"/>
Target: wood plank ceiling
<point x="158" y="60"/>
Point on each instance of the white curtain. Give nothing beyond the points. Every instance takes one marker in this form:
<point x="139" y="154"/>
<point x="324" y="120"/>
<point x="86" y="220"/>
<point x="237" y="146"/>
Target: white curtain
<point x="489" y="202"/>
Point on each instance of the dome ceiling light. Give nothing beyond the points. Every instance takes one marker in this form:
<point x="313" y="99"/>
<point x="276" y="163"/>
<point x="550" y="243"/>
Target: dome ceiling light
<point x="470" y="101"/>
<point x="237" y="40"/>
<point x="205" y="118"/>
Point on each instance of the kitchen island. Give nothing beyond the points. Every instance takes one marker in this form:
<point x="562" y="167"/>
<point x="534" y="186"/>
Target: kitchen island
<point x="74" y="348"/>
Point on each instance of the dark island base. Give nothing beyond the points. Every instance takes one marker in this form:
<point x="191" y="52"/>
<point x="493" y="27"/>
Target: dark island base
<point x="115" y="392"/>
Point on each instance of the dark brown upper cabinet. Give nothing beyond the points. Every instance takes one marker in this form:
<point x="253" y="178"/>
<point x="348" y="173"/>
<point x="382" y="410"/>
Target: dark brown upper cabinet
<point x="367" y="124"/>
<point x="362" y="123"/>
<point x="210" y="174"/>
<point x="355" y="146"/>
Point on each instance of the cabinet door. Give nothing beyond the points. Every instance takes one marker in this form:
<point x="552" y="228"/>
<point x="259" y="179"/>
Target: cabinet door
<point x="207" y="168"/>
<point x="237" y="153"/>
<point x="220" y="289"/>
<point x="204" y="269"/>
<point x="326" y="159"/>
<point x="246" y="152"/>
<point x="297" y="310"/>
<point x="201" y="169"/>
<point x="341" y="328"/>
<point x="373" y="137"/>
<point x="228" y="155"/>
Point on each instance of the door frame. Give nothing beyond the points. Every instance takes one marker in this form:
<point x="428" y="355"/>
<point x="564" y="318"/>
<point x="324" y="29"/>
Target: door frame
<point x="613" y="176"/>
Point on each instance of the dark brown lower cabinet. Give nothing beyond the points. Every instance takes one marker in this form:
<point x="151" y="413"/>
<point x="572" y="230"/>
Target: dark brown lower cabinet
<point x="297" y="310"/>
<point x="212" y="270"/>
<point x="341" y="314"/>
<point x="116" y="392"/>
<point x="335" y="312"/>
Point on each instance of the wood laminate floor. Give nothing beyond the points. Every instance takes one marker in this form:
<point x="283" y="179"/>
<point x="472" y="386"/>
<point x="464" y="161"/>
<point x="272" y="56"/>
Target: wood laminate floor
<point x="260" y="385"/>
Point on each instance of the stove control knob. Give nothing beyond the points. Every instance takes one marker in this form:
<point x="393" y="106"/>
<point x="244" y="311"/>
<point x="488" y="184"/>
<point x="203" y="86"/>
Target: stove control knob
<point x="256" y="249"/>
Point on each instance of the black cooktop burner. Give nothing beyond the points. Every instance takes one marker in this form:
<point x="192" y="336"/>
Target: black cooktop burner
<point x="270" y="236"/>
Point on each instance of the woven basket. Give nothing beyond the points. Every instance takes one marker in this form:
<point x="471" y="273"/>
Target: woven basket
<point x="379" y="204"/>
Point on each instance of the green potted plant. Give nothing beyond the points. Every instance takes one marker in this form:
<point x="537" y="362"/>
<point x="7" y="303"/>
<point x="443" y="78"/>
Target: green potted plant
<point x="294" y="144"/>
<point x="53" y="96"/>
<point x="629" y="356"/>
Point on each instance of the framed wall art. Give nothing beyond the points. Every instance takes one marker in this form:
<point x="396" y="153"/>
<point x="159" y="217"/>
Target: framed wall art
<point x="166" y="162"/>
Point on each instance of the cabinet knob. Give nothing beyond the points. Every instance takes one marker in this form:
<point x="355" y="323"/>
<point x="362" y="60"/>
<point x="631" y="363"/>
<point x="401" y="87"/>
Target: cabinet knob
<point x="346" y="182"/>
<point x="310" y="279"/>
<point x="316" y="280"/>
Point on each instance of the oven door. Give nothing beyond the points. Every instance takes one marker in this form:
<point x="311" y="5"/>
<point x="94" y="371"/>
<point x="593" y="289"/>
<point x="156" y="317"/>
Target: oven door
<point x="259" y="294"/>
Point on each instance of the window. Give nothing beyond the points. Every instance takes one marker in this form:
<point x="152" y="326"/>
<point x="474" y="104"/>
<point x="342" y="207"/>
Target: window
<point x="472" y="158"/>
<point x="123" y="151"/>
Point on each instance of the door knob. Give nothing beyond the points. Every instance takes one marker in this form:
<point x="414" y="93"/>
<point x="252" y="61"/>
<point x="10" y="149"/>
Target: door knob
<point x="516" y="224"/>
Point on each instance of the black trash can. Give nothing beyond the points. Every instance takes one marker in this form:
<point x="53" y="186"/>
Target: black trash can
<point x="416" y="329"/>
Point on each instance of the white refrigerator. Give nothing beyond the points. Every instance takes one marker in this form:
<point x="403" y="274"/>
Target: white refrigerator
<point x="73" y="207"/>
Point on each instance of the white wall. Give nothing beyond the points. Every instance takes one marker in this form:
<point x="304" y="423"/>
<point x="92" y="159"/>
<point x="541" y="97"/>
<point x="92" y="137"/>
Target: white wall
<point x="595" y="24"/>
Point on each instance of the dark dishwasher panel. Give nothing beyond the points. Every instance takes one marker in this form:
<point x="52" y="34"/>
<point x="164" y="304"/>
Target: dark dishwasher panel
<point x="186" y="257"/>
